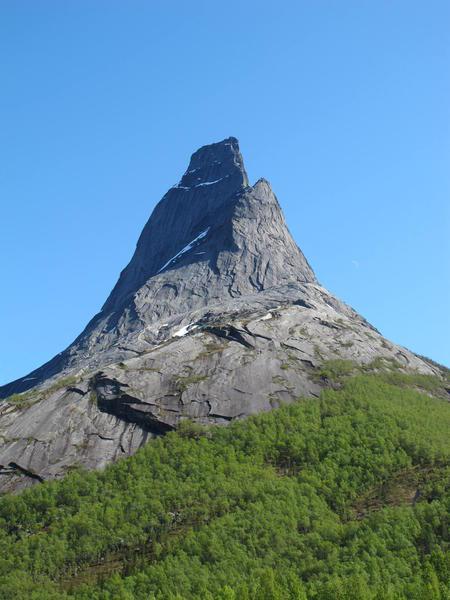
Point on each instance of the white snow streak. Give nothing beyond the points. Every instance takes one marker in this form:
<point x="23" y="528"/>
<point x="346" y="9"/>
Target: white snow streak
<point x="184" y="330"/>
<point x="185" y="249"/>
<point x="266" y="317"/>
<point x="183" y="187"/>
<point x="210" y="182"/>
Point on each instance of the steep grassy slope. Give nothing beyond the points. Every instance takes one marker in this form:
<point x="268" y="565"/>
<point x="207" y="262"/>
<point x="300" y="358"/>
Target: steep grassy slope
<point x="346" y="496"/>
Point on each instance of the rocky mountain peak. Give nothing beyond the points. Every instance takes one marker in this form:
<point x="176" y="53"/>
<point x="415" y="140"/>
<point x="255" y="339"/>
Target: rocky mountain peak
<point x="211" y="238"/>
<point x="213" y="206"/>
<point x="215" y="176"/>
<point x="215" y="162"/>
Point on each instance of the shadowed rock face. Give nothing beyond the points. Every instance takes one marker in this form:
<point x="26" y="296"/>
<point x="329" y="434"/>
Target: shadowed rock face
<point x="217" y="316"/>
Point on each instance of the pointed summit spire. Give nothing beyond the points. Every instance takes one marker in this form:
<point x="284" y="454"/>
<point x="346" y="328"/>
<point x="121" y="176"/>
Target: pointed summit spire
<point x="214" y="163"/>
<point x="215" y="175"/>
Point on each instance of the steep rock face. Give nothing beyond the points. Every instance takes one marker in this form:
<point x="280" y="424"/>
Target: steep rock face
<point x="217" y="316"/>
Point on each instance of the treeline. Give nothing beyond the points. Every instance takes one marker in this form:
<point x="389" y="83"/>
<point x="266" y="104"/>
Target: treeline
<point x="344" y="497"/>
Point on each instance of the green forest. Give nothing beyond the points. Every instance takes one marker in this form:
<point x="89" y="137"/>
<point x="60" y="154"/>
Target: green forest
<point x="342" y="497"/>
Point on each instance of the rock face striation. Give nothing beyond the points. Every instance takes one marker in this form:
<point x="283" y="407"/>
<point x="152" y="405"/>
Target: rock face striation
<point x="217" y="316"/>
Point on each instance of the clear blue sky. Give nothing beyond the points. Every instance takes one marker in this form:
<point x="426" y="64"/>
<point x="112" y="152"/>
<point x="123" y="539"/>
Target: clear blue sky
<point x="343" y="106"/>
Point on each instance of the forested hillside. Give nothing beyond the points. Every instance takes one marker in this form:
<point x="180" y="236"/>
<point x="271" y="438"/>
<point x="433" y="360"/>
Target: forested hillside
<point x="342" y="497"/>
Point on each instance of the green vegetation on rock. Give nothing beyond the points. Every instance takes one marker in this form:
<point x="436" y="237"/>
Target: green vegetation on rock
<point x="26" y="399"/>
<point x="343" y="497"/>
<point x="183" y="382"/>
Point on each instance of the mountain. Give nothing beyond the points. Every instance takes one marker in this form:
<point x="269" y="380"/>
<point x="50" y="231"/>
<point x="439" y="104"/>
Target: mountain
<point x="217" y="316"/>
<point x="211" y="238"/>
